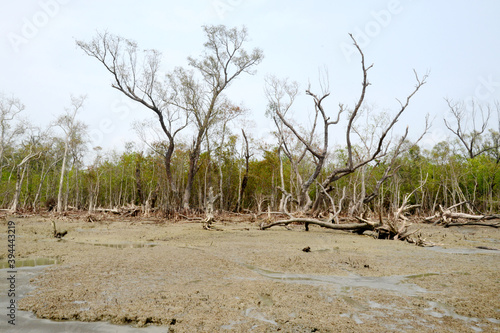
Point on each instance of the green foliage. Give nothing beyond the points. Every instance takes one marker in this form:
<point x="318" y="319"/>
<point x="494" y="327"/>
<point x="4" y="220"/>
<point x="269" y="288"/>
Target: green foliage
<point x="114" y="179"/>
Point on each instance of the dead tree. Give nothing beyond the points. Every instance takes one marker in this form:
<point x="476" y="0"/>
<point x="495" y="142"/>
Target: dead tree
<point x="405" y="206"/>
<point x="72" y="129"/>
<point x="209" y="210"/>
<point x="20" y="171"/>
<point x="9" y="113"/>
<point x="244" y="181"/>
<point x="470" y="135"/>
<point x="449" y="218"/>
<point x="281" y="94"/>
<point x="319" y="153"/>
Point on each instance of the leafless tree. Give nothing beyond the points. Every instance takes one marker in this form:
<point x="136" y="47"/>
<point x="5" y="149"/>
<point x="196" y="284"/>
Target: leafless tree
<point x="244" y="180"/>
<point x="281" y="95"/>
<point x="31" y="149"/>
<point x="470" y="125"/>
<point x="10" y="108"/>
<point x="141" y="81"/>
<point x="72" y="129"/>
<point x="319" y="152"/>
<point x="369" y="135"/>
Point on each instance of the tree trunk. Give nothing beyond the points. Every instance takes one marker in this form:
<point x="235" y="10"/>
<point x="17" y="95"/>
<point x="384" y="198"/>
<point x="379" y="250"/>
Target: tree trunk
<point x="138" y="182"/>
<point x="193" y="169"/>
<point x="244" y="181"/>
<point x="17" y="194"/>
<point x="61" y="180"/>
<point x="168" y="169"/>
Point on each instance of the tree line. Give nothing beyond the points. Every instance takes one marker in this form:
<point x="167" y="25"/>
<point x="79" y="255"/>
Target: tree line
<point x="372" y="170"/>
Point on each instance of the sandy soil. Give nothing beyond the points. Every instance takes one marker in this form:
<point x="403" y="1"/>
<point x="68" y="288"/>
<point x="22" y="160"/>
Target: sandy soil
<point x="148" y="272"/>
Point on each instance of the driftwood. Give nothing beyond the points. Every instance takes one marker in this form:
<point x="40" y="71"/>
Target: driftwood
<point x="209" y="219"/>
<point x="58" y="234"/>
<point x="194" y="218"/>
<point x="390" y="229"/>
<point x="130" y="210"/>
<point x="400" y="213"/>
<point x="448" y="218"/>
<point x="484" y="224"/>
<point x="358" y="227"/>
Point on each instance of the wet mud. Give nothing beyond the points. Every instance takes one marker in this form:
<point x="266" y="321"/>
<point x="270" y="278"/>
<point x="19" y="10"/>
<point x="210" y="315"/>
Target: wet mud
<point x="177" y="277"/>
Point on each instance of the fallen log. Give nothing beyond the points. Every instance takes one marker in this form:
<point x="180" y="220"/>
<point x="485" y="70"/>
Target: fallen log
<point x="58" y="234"/>
<point x="107" y="210"/>
<point x="451" y="215"/>
<point x="379" y="229"/>
<point x="483" y="224"/>
<point x="446" y="217"/>
<point x="366" y="225"/>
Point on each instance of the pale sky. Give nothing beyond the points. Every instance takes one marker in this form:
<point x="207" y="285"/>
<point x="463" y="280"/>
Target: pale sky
<point x="458" y="42"/>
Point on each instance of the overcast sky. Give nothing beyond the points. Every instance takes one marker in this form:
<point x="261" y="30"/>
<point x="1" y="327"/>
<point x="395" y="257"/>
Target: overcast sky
<point x="458" y="42"/>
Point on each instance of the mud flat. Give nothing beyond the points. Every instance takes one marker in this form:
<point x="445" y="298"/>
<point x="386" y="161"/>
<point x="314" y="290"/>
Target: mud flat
<point x="177" y="277"/>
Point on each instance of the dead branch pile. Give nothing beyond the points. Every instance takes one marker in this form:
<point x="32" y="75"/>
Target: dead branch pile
<point x="450" y="218"/>
<point x="396" y="227"/>
<point x="129" y="210"/>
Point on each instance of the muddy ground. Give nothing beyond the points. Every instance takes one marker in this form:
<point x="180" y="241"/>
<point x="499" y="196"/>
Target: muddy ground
<point x="151" y="272"/>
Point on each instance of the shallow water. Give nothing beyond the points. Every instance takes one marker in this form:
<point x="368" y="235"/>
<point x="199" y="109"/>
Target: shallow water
<point x="26" y="321"/>
<point x="30" y="262"/>
<point x="123" y="245"/>
<point x="462" y="250"/>
<point x="389" y="283"/>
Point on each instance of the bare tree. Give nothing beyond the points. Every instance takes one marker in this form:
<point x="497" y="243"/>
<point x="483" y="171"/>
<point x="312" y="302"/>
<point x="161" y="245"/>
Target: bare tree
<point x="244" y="181"/>
<point x="31" y="149"/>
<point x="319" y="152"/>
<point x="388" y="158"/>
<point x="10" y="108"/>
<point x="493" y="140"/>
<point x="72" y="130"/>
<point x="470" y="125"/>
<point x="281" y="94"/>
<point x="141" y="83"/>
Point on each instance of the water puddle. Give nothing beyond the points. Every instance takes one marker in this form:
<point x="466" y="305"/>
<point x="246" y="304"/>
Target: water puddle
<point x="26" y="321"/>
<point x="462" y="250"/>
<point x="255" y="314"/>
<point x="493" y="240"/>
<point x="389" y="283"/>
<point x="251" y="313"/>
<point x="440" y="310"/>
<point x="125" y="245"/>
<point x="417" y="276"/>
<point x="232" y="324"/>
<point x="29" y="262"/>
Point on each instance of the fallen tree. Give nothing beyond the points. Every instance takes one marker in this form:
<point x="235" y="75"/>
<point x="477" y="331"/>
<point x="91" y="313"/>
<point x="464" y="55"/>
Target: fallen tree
<point x="484" y="224"/>
<point x="393" y="228"/>
<point x="357" y="227"/>
<point x="129" y="210"/>
<point x="396" y="227"/>
<point x="449" y="218"/>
